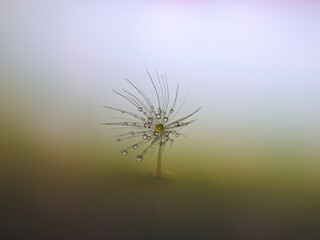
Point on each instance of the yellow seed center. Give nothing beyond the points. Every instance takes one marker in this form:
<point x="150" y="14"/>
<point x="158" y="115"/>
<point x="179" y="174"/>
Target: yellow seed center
<point x="159" y="127"/>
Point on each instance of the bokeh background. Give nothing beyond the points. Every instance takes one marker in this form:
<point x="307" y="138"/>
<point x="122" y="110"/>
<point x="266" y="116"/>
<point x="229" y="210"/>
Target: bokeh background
<point x="248" y="168"/>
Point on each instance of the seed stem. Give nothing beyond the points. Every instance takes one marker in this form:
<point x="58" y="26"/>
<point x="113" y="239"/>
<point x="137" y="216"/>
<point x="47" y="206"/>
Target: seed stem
<point x="158" y="172"/>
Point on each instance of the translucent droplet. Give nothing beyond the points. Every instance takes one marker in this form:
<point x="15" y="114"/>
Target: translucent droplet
<point x="135" y="146"/>
<point x="165" y="119"/>
<point x="152" y="107"/>
<point x="176" y="124"/>
<point x="150" y="119"/>
<point x="125" y="124"/>
<point x="144" y="136"/>
<point x="171" y="110"/>
<point x="140" y="109"/>
<point x="139" y="158"/>
<point x="158" y="115"/>
<point x="177" y="135"/>
<point x="124" y="153"/>
<point x="147" y="125"/>
<point x="166" y="138"/>
<point x="134" y="124"/>
<point x="132" y="133"/>
<point x="156" y="133"/>
<point x="149" y="137"/>
<point x="166" y="134"/>
<point x="159" y="110"/>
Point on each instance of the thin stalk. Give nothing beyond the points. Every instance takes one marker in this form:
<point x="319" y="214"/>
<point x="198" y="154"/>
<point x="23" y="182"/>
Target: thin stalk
<point x="158" y="172"/>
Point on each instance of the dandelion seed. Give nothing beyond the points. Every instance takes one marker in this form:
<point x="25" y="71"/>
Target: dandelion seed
<point x="158" y="127"/>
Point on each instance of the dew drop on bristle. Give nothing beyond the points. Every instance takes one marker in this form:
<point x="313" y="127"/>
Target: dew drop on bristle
<point x="124" y="153"/>
<point x="150" y="119"/>
<point x="135" y="146"/>
<point x="171" y="110"/>
<point x="149" y="137"/>
<point x="152" y="107"/>
<point x="165" y="119"/>
<point x="125" y="124"/>
<point x="140" y="109"/>
<point x="177" y="135"/>
<point x="158" y="115"/>
<point x="139" y="158"/>
<point x="147" y="125"/>
<point x="134" y="124"/>
<point x="144" y="136"/>
<point x="166" y="138"/>
<point x="176" y="124"/>
<point x="132" y="133"/>
<point x="156" y="133"/>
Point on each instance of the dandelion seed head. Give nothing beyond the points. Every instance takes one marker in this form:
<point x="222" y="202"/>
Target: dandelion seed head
<point x="151" y="128"/>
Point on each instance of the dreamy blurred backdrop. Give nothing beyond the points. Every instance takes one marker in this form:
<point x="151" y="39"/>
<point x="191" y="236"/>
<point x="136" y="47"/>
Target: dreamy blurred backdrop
<point x="248" y="168"/>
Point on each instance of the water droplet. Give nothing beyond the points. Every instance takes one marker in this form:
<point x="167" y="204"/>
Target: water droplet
<point x="166" y="138"/>
<point x="134" y="124"/>
<point x="124" y="153"/>
<point x="140" y="109"/>
<point x="165" y="119"/>
<point x="144" y="136"/>
<point x="158" y="115"/>
<point x="149" y="137"/>
<point x="147" y="125"/>
<point x="177" y="135"/>
<point x="171" y="110"/>
<point x="159" y="110"/>
<point x="156" y="133"/>
<point x="125" y="124"/>
<point x="135" y="146"/>
<point x="176" y="124"/>
<point x="132" y="133"/>
<point x="139" y="158"/>
<point x="150" y="119"/>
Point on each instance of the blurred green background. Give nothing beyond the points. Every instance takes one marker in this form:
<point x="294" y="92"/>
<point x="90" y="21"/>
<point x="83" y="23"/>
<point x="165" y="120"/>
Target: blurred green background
<point x="248" y="168"/>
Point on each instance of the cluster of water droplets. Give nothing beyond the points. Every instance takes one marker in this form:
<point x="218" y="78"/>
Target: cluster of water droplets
<point x="156" y="128"/>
